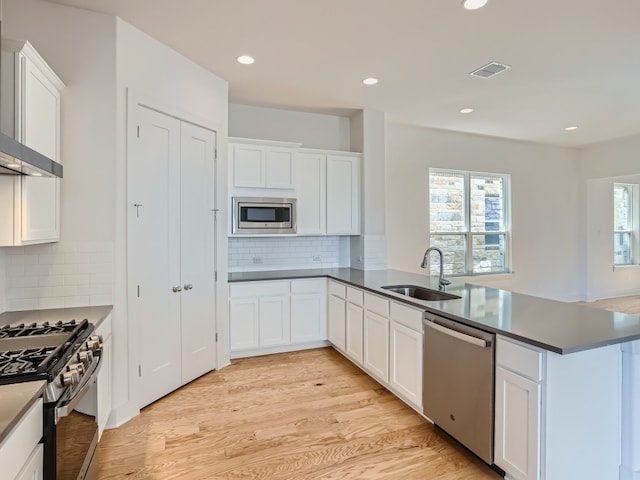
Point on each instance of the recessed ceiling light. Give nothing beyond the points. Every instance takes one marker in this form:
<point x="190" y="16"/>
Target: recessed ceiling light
<point x="370" y="81"/>
<point x="13" y="165"/>
<point x="474" y="4"/>
<point x="36" y="174"/>
<point x="245" y="59"/>
<point x="466" y="110"/>
<point x="571" y="128"/>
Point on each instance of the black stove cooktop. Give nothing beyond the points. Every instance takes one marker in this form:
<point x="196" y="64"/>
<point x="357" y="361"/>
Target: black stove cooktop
<point x="38" y="351"/>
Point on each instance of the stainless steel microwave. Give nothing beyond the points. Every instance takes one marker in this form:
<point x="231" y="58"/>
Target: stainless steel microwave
<point x="253" y="215"/>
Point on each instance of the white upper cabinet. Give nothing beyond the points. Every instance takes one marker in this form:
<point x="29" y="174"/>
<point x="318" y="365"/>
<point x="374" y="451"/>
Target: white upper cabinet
<point x="261" y="164"/>
<point x="30" y="114"/>
<point x="328" y="191"/>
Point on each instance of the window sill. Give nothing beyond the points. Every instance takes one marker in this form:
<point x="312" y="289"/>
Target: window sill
<point x="484" y="276"/>
<point x="626" y="267"/>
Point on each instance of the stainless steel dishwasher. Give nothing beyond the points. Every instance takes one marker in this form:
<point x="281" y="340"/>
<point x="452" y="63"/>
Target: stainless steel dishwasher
<point x="458" y="382"/>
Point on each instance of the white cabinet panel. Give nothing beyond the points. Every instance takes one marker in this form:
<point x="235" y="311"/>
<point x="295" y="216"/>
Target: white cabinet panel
<point x="355" y="332"/>
<point x="243" y="319"/>
<point x="308" y="317"/>
<point x="337" y="322"/>
<point x="517" y="425"/>
<point x="405" y="376"/>
<point x="260" y="164"/>
<point x="104" y="381"/>
<point x="33" y="469"/>
<point x="16" y="448"/>
<point x="311" y="178"/>
<point x="343" y="195"/>
<point x="376" y="345"/>
<point x="247" y="165"/>
<point x="274" y="321"/>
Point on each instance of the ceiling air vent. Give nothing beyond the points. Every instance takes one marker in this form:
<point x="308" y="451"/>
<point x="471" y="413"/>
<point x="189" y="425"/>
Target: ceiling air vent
<point x="489" y="70"/>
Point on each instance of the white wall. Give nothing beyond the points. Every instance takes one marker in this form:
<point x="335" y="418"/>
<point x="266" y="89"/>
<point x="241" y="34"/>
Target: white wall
<point x="152" y="72"/>
<point x="313" y="130"/>
<point x="3" y="284"/>
<point x="601" y="165"/>
<point x="547" y="247"/>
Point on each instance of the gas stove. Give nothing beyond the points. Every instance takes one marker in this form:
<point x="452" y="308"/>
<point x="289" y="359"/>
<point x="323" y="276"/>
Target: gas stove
<point x="61" y="353"/>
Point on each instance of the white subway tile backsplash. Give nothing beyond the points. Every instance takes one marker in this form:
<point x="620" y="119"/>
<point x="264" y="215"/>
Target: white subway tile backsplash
<point x="59" y="275"/>
<point x="290" y="253"/>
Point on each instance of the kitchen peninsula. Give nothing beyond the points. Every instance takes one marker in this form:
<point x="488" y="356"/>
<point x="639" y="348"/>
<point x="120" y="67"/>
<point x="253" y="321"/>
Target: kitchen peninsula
<point x="566" y="372"/>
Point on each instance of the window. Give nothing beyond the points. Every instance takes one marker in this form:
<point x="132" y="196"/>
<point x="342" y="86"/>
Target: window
<point x="624" y="224"/>
<point x="469" y="221"/>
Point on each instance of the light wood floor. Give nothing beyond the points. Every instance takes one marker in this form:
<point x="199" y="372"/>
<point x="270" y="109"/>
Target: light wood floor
<point x="620" y="304"/>
<point x="302" y="415"/>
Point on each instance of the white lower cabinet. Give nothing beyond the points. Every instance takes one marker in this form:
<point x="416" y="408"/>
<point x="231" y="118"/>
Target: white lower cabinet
<point x="278" y="315"/>
<point x="355" y="333"/>
<point x="405" y="354"/>
<point x="308" y="310"/>
<point x="376" y="336"/>
<point x="103" y="383"/>
<point x="337" y="315"/>
<point x="557" y="416"/>
<point x="33" y="469"/>
<point x="20" y="452"/>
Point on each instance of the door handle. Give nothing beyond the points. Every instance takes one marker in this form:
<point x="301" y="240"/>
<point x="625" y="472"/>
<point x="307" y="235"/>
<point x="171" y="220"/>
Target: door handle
<point x="188" y="286"/>
<point x="177" y="288"/>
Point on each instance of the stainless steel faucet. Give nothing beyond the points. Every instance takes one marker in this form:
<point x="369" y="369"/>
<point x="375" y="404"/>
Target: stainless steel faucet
<point x="425" y="264"/>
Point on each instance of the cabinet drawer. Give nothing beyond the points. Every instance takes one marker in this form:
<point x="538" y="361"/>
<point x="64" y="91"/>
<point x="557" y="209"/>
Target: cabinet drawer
<point x="376" y="304"/>
<point x="355" y="296"/>
<point x="312" y="285"/>
<point x="256" y="289"/>
<point x="16" y="448"/>
<point x="407" y="316"/>
<point x="520" y="359"/>
<point x="337" y="289"/>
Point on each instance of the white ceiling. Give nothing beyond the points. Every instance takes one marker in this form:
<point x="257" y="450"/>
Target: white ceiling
<point x="574" y="62"/>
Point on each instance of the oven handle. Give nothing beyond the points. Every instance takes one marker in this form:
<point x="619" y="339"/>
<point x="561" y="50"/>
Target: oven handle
<point x="67" y="407"/>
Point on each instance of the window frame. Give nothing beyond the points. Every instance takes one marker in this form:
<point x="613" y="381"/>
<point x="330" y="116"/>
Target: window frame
<point x="469" y="234"/>
<point x="633" y="230"/>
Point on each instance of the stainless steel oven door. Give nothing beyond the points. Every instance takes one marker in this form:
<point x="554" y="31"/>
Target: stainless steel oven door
<point x="77" y="434"/>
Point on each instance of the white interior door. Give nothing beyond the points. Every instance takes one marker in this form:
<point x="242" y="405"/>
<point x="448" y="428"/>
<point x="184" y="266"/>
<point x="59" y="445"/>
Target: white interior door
<point x="197" y="179"/>
<point x="153" y="209"/>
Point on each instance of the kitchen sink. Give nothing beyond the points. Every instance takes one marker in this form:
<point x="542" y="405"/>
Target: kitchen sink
<point x="421" y="293"/>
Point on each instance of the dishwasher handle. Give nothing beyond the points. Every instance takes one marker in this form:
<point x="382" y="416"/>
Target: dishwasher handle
<point x="478" y="342"/>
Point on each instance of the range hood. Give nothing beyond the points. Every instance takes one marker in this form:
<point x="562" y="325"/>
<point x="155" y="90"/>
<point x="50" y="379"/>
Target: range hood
<point x="18" y="159"/>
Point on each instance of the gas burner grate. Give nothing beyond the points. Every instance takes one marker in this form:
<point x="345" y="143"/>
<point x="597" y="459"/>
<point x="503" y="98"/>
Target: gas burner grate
<point x="33" y="329"/>
<point x="26" y="362"/>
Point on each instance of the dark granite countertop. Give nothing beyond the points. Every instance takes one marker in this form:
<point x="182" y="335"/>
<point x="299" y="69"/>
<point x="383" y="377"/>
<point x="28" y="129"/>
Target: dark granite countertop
<point x="552" y="325"/>
<point x="15" y="400"/>
<point x="94" y="314"/>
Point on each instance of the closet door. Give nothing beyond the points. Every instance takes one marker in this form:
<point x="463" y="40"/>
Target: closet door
<point x="153" y="209"/>
<point x="197" y="180"/>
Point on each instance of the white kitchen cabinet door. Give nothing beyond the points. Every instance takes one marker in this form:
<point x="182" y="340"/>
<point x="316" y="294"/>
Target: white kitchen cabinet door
<point x="31" y="114"/>
<point x="308" y="317"/>
<point x="355" y="332"/>
<point x="274" y="323"/>
<point x="33" y="469"/>
<point x="311" y="189"/>
<point x="197" y="259"/>
<point x="517" y="425"/>
<point x="243" y="319"/>
<point x="247" y="165"/>
<point x="171" y="257"/>
<point x="376" y="345"/>
<point x="343" y="195"/>
<point x="279" y="167"/>
<point x="261" y="164"/>
<point x="405" y="376"/>
<point x="337" y="322"/>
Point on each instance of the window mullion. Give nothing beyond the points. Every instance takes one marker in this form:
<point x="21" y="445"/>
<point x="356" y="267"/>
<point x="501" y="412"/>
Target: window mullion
<point x="468" y="268"/>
